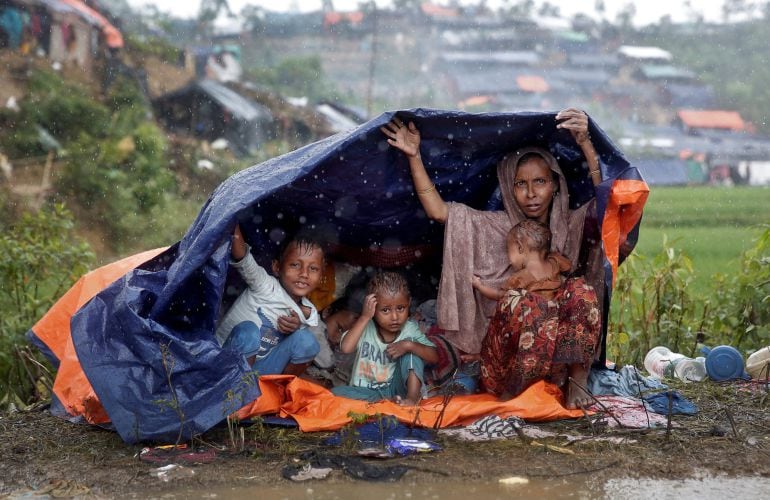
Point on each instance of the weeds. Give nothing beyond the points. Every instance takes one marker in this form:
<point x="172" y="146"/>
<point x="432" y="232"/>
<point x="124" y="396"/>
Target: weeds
<point x="39" y="259"/>
<point x="653" y="305"/>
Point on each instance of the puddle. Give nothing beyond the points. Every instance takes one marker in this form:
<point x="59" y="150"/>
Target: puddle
<point x="709" y="487"/>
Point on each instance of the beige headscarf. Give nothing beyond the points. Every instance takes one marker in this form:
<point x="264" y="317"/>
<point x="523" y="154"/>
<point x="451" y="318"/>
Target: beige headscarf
<point x="474" y="243"/>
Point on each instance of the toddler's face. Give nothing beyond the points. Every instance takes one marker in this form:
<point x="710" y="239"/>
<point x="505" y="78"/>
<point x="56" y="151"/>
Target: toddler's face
<point x="391" y="312"/>
<point x="300" y="270"/>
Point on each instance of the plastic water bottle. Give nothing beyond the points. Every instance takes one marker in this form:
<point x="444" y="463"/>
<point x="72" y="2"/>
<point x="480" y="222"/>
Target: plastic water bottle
<point x="659" y="361"/>
<point x="690" y="370"/>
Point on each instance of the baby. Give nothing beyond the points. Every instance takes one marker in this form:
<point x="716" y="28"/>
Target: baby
<point x="535" y="268"/>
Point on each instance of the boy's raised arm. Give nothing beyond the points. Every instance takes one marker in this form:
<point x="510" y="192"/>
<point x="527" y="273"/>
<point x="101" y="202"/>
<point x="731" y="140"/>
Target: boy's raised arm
<point x="350" y="340"/>
<point x="238" y="249"/>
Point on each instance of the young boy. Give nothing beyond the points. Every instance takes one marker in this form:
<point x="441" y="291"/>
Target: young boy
<point x="391" y="351"/>
<point x="535" y="268"/>
<point x="267" y="321"/>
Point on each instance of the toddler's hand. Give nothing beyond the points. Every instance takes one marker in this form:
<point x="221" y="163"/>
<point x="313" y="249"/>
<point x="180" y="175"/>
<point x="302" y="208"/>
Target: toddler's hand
<point x="370" y="306"/>
<point x="289" y="323"/>
<point x="398" y="349"/>
<point x="476" y="281"/>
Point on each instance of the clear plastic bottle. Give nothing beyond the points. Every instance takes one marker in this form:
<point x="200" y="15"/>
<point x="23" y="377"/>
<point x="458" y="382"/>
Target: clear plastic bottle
<point x="690" y="370"/>
<point x="659" y="361"/>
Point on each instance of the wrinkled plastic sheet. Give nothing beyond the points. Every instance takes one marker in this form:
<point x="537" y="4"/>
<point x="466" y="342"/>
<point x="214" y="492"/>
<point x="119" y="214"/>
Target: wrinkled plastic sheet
<point x="146" y="342"/>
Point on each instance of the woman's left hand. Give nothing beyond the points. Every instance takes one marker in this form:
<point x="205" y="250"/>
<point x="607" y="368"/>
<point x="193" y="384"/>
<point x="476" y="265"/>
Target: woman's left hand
<point x="576" y="121"/>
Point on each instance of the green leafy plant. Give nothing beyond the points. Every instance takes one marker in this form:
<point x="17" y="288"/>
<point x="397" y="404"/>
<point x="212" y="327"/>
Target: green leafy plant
<point x="40" y="258"/>
<point x="741" y="302"/>
<point x="652" y="305"/>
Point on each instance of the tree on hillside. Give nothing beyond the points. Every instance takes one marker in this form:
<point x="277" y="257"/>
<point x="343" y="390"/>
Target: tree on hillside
<point x="210" y="10"/>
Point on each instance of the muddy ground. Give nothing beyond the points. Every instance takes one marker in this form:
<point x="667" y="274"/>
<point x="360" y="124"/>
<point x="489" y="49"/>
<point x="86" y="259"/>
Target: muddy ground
<point x="730" y="435"/>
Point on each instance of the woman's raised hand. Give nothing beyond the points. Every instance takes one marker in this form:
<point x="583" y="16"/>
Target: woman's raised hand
<point x="576" y="121"/>
<point x="406" y="138"/>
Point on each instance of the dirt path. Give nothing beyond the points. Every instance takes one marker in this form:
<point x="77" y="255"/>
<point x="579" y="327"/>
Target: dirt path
<point x="730" y="435"/>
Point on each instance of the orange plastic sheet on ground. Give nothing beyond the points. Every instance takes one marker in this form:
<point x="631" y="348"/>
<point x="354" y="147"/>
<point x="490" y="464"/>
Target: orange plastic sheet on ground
<point x="317" y="409"/>
<point x="71" y="385"/>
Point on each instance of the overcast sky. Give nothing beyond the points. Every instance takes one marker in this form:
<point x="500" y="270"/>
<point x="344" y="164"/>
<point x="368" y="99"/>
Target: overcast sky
<point x="647" y="12"/>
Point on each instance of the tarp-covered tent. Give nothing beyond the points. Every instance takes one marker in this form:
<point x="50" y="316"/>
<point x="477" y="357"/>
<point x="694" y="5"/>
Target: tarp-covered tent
<point x="211" y="110"/>
<point x="146" y="342"/>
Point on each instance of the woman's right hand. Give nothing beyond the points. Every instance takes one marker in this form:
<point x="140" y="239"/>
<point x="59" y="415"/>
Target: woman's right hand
<point x="406" y="138"/>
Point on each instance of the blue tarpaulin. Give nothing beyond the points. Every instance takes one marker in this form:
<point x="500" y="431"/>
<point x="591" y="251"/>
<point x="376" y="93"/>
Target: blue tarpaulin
<point x="146" y="342"/>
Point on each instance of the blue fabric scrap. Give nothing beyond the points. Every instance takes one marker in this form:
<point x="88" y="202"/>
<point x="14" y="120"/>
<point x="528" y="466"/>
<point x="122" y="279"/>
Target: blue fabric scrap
<point x="679" y="404"/>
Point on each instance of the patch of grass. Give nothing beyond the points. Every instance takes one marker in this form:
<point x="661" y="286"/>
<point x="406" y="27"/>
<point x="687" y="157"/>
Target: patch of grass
<point x="712" y="225"/>
<point x="704" y="206"/>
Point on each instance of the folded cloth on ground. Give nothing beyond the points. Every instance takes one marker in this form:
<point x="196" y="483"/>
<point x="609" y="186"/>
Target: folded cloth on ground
<point x="625" y="382"/>
<point x="679" y="404"/>
<point x="493" y="427"/>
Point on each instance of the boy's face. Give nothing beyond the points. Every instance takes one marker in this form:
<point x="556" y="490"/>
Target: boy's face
<point x="391" y="312"/>
<point x="515" y="254"/>
<point x="299" y="270"/>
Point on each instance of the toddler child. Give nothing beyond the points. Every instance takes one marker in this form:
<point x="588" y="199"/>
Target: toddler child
<point x="535" y="268"/>
<point x="391" y="351"/>
<point x="268" y="321"/>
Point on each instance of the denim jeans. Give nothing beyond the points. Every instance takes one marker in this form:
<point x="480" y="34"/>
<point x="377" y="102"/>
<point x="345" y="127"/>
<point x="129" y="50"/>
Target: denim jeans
<point x="274" y="350"/>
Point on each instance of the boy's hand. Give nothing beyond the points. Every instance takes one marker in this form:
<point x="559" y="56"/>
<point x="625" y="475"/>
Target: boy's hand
<point x="476" y="281"/>
<point x="370" y="306"/>
<point x="238" y="248"/>
<point x="398" y="349"/>
<point x="289" y="323"/>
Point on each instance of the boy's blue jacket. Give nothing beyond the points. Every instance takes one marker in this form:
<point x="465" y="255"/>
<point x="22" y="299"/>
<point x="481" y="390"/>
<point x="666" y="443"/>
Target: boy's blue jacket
<point x="146" y="342"/>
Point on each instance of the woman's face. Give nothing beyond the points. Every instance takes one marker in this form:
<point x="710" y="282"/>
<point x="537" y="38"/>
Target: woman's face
<point x="533" y="189"/>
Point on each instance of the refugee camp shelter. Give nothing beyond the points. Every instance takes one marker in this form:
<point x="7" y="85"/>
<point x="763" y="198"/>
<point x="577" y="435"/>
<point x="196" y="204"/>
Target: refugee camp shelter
<point x="70" y="31"/>
<point x="663" y="171"/>
<point x="209" y="110"/>
<point x="146" y="342"/>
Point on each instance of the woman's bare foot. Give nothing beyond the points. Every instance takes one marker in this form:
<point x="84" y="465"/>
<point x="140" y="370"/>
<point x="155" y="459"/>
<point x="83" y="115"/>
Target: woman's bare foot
<point x="576" y="396"/>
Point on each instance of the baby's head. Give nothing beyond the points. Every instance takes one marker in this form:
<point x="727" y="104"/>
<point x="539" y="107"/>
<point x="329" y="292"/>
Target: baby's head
<point x="527" y="237"/>
<point x="300" y="266"/>
<point x="393" y="299"/>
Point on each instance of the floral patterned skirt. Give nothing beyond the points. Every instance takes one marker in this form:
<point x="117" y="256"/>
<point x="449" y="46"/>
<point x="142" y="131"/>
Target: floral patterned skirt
<point x="531" y="337"/>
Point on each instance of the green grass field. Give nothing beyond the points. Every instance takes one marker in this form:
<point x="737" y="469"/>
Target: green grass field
<point x="712" y="225"/>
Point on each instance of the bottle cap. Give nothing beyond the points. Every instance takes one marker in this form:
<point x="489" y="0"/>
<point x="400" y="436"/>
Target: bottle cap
<point x="724" y="362"/>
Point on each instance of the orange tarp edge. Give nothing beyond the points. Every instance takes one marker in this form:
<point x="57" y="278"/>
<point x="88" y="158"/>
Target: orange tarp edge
<point x="317" y="409"/>
<point x="71" y="385"/>
<point x="624" y="210"/>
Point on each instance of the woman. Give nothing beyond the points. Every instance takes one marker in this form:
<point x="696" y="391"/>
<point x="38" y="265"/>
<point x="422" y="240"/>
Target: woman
<point x="532" y="186"/>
